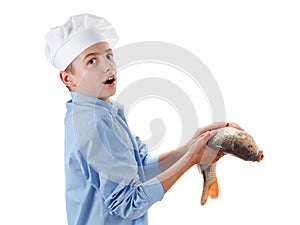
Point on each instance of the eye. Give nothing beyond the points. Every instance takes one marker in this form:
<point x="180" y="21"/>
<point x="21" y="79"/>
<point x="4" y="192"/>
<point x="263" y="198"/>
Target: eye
<point x="110" y="56"/>
<point x="92" y="61"/>
<point x="250" y="149"/>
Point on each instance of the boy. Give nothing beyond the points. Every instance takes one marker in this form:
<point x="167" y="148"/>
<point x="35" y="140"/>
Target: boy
<point x="110" y="177"/>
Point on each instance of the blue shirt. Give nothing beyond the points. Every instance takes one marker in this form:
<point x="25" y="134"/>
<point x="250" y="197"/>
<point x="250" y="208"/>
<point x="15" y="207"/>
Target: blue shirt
<point x="110" y="177"/>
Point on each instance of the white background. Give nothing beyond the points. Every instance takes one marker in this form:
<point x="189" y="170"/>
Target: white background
<point x="251" y="47"/>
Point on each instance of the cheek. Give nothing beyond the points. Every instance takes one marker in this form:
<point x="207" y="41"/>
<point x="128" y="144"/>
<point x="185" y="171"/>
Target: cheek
<point x="91" y="83"/>
<point x="92" y="76"/>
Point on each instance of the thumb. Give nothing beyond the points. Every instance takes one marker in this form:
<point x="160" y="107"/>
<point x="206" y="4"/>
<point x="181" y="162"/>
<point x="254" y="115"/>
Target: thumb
<point x="204" y="138"/>
<point x="208" y="135"/>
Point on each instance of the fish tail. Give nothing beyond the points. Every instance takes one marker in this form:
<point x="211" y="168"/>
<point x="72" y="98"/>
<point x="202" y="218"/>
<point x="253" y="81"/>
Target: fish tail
<point x="213" y="190"/>
<point x="203" y="169"/>
<point x="204" y="195"/>
<point x="210" y="182"/>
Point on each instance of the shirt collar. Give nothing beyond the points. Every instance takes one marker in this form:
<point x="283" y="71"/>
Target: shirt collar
<point x="113" y="106"/>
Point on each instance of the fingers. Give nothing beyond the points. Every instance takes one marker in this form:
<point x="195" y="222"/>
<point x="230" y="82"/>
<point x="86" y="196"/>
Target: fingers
<point x="201" y="139"/>
<point x="235" y="125"/>
<point x="210" y="127"/>
<point x="208" y="134"/>
<point x="215" y="126"/>
<point x="204" y="137"/>
<point x="209" y="156"/>
<point x="201" y="152"/>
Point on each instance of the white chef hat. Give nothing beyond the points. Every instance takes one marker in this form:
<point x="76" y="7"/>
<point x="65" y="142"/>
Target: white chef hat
<point x="65" y="43"/>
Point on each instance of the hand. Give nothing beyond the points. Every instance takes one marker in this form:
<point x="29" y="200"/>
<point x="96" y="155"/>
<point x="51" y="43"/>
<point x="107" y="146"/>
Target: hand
<point x="200" y="131"/>
<point x="210" y="127"/>
<point x="189" y="155"/>
<point x="234" y="125"/>
<point x="201" y="153"/>
<point x="198" y="145"/>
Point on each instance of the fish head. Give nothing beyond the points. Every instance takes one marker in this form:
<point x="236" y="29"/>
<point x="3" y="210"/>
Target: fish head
<point x="246" y="148"/>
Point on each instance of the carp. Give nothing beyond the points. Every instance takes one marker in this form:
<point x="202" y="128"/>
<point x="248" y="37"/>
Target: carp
<point x="228" y="140"/>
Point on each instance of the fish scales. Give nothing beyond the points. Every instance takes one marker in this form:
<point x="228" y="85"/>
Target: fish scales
<point x="209" y="176"/>
<point x="230" y="141"/>
<point x="236" y="142"/>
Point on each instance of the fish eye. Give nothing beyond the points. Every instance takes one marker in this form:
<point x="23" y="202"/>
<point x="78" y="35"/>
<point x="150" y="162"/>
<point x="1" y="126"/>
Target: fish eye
<point x="250" y="149"/>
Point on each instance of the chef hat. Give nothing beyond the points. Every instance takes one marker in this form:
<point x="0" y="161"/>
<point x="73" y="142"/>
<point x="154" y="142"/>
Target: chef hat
<point x="65" y="43"/>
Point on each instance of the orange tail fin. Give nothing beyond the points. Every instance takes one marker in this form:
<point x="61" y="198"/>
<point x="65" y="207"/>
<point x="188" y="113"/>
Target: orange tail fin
<point x="213" y="191"/>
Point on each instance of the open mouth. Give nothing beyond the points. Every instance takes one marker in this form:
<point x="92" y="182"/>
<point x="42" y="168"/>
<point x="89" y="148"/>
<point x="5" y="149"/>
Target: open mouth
<point x="110" y="80"/>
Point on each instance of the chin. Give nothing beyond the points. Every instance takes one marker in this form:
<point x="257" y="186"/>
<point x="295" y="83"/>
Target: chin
<point x="106" y="96"/>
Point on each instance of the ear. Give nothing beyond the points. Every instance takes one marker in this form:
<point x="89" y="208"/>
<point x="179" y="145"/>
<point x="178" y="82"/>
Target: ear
<point x="66" y="78"/>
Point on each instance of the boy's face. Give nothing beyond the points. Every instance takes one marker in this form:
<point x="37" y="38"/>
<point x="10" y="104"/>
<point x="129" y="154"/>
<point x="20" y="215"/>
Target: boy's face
<point x="93" y="72"/>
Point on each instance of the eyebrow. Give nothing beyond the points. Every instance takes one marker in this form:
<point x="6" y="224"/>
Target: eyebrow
<point x="96" y="53"/>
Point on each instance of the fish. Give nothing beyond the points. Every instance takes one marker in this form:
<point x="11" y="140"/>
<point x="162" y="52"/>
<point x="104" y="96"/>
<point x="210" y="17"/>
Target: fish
<point x="210" y="181"/>
<point x="228" y="140"/>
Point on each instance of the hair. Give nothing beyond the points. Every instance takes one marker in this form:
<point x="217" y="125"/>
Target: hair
<point x="69" y="68"/>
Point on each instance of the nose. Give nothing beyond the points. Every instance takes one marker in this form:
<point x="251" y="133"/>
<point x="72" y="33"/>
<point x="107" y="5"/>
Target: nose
<point x="107" y="65"/>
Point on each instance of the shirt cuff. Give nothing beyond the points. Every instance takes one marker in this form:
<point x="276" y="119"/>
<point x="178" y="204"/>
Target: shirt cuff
<point x="151" y="167"/>
<point x="154" y="190"/>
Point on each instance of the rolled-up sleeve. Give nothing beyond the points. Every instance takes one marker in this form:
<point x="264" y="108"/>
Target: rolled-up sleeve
<point x="133" y="200"/>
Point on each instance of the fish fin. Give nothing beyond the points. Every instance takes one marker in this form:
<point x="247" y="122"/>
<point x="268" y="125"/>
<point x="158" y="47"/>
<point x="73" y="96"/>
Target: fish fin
<point x="204" y="195"/>
<point x="213" y="190"/>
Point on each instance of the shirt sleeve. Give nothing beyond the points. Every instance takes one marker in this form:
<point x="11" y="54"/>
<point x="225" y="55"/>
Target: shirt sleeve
<point x="150" y="163"/>
<point x="108" y="150"/>
<point x="131" y="200"/>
